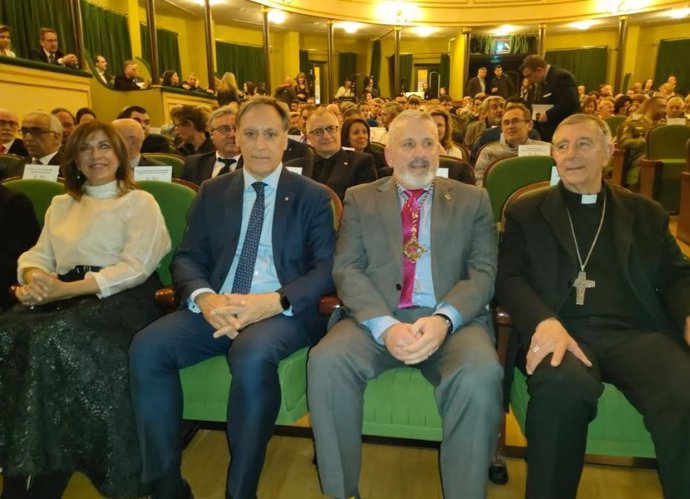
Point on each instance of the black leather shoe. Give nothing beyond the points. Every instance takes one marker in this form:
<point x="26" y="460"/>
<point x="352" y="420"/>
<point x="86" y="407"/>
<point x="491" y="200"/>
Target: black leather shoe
<point x="168" y="490"/>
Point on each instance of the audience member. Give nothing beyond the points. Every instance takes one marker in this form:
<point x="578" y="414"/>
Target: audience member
<point x="129" y="77"/>
<point x="623" y="320"/>
<point x="334" y="108"/>
<point x="605" y="108"/>
<point x="492" y="112"/>
<point x="557" y="87"/>
<point x="254" y="310"/>
<point x="501" y="84"/>
<point x="370" y="88"/>
<point x="171" y="79"/>
<point x="285" y="92"/>
<point x="397" y="312"/>
<point x="5" y="42"/>
<point x="228" y="91"/>
<point x="428" y="94"/>
<point x="388" y="113"/>
<point x="249" y="90"/>
<point x="189" y="123"/>
<point x="477" y="84"/>
<point x="303" y="117"/>
<point x="192" y="84"/>
<point x="648" y="88"/>
<point x="102" y="70"/>
<point x="42" y="135"/>
<point x="621" y="105"/>
<point x="332" y="165"/>
<point x="444" y="126"/>
<point x="86" y="289"/>
<point x="133" y="135"/>
<point x="345" y="90"/>
<point x="50" y="53"/>
<point x="516" y="124"/>
<point x="686" y="106"/>
<point x="674" y="108"/>
<point x="9" y="142"/>
<point x="152" y="142"/>
<point x="226" y="157"/>
<point x="67" y="120"/>
<point x="413" y="103"/>
<point x="84" y="114"/>
<point x="302" y="91"/>
<point x="355" y="133"/>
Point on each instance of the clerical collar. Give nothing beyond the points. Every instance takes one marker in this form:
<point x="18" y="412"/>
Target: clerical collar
<point x="573" y="198"/>
<point x="109" y="190"/>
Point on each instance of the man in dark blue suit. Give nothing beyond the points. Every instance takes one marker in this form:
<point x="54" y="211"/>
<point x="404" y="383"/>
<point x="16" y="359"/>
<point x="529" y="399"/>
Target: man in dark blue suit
<point x="249" y="289"/>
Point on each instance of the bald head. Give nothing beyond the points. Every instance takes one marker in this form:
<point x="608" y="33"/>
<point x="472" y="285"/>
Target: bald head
<point x="9" y="124"/>
<point x="131" y="131"/>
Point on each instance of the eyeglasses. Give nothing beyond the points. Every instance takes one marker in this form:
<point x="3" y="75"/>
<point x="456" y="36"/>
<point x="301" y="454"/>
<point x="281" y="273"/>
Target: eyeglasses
<point x="224" y="129"/>
<point x="8" y="123"/>
<point x="34" y="131"/>
<point x="513" y="122"/>
<point x="318" y="132"/>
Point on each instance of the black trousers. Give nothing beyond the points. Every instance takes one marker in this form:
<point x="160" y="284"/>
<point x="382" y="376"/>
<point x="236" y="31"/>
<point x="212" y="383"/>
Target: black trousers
<point x="651" y="369"/>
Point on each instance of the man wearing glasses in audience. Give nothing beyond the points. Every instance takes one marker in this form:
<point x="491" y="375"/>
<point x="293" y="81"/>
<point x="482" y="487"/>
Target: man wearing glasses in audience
<point x="515" y="127"/>
<point x="199" y="167"/>
<point x="9" y="143"/>
<point x="332" y="165"/>
<point x="42" y="134"/>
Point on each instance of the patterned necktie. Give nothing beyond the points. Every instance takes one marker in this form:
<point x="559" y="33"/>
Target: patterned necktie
<point x="51" y="58"/>
<point x="228" y="162"/>
<point x="412" y="249"/>
<point x="245" y="267"/>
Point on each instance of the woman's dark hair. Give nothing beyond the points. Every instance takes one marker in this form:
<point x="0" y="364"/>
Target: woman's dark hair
<point x="167" y="77"/>
<point x="345" y="131"/>
<point x="620" y="102"/>
<point x="250" y="88"/>
<point x="74" y="180"/>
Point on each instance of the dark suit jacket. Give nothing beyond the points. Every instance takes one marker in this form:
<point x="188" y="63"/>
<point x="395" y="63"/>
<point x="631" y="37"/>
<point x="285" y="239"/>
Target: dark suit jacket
<point x="17" y="169"/>
<point x="156" y="142"/>
<point x="19" y="230"/>
<point x="474" y="86"/>
<point x="303" y="241"/>
<point x="538" y="264"/>
<point x="504" y="86"/>
<point x="351" y="168"/>
<point x="40" y="55"/>
<point x="144" y="161"/>
<point x="560" y="89"/>
<point x="121" y="82"/>
<point x="18" y="148"/>
<point x="199" y="167"/>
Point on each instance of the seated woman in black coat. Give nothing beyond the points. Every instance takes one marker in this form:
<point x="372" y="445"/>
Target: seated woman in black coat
<point x="86" y="288"/>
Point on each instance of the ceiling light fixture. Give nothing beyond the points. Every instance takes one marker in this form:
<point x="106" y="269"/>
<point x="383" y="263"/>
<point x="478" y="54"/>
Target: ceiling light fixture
<point x="423" y="30"/>
<point x="349" y="27"/>
<point x="678" y="13"/>
<point x="583" y="24"/>
<point x="504" y="30"/>
<point x="398" y="13"/>
<point x="276" y="16"/>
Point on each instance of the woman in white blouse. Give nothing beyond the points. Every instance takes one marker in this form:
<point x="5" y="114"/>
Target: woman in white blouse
<point x="444" y="125"/>
<point x="86" y="288"/>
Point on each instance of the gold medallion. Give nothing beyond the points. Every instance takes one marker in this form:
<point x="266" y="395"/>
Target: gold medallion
<point x="413" y="250"/>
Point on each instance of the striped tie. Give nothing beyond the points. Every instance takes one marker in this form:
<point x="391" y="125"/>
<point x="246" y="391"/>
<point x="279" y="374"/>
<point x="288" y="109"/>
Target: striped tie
<point x="245" y="268"/>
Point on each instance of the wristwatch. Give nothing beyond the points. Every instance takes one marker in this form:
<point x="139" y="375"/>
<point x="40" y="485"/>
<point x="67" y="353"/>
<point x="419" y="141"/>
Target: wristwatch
<point x="449" y="322"/>
<point x="284" y="302"/>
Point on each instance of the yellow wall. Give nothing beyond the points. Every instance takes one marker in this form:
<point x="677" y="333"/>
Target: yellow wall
<point x="648" y="47"/>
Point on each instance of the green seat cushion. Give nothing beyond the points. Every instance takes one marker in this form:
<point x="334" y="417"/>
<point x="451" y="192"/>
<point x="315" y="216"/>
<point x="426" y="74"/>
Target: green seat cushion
<point x="400" y="403"/>
<point x="206" y="388"/>
<point x="618" y="429"/>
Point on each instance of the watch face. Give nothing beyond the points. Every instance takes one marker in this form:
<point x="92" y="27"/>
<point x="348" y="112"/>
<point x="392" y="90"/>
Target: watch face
<point x="284" y="302"/>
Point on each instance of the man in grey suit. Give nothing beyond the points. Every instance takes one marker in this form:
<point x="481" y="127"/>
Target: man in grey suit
<point x="414" y="266"/>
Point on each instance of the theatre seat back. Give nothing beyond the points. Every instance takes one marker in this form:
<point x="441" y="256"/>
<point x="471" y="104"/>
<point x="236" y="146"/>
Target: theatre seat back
<point x="39" y="192"/>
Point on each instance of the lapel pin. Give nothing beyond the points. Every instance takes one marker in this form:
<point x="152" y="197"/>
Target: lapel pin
<point x="448" y="196"/>
<point x="287" y="198"/>
<point x="345" y="163"/>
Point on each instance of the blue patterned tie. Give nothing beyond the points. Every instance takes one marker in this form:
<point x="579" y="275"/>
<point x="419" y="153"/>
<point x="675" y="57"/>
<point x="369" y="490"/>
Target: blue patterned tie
<point x="245" y="268"/>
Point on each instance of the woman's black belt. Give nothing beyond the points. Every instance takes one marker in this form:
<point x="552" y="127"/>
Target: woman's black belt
<point x="78" y="273"/>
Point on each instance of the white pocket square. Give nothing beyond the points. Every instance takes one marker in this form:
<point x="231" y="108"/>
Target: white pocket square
<point x="547" y="95"/>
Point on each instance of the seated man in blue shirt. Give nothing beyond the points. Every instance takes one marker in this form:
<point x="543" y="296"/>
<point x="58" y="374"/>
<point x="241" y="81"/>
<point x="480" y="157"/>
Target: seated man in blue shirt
<point x="414" y="266"/>
<point x="256" y="257"/>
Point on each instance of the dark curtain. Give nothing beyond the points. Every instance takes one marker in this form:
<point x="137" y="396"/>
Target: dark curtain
<point x="168" y="50"/>
<point x="247" y="63"/>
<point x="588" y="65"/>
<point x="406" y="63"/>
<point x="106" y="33"/>
<point x="519" y="44"/>
<point x="304" y="61"/>
<point x="445" y="70"/>
<point x="669" y="61"/>
<point x="26" y="17"/>
<point x="375" y="69"/>
<point x="347" y="66"/>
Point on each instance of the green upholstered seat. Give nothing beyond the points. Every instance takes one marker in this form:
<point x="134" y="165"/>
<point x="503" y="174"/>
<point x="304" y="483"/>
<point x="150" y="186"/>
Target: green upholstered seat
<point x="39" y="192"/>
<point x="177" y="162"/>
<point x="507" y="175"/>
<point x="618" y="429"/>
<point x="9" y="164"/>
<point x="206" y="388"/>
<point x="400" y="403"/>
<point x="614" y="122"/>
<point x="174" y="201"/>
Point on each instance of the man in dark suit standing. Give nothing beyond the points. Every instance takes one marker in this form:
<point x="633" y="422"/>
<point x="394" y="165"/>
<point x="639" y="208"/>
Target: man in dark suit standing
<point x="554" y="86"/>
<point x="501" y="84"/>
<point x="599" y="292"/>
<point x="332" y="165"/>
<point x="129" y="77"/>
<point x="49" y="52"/>
<point x="415" y="266"/>
<point x="256" y="257"/>
<point x="477" y="84"/>
<point x="225" y="159"/>
<point x="9" y="126"/>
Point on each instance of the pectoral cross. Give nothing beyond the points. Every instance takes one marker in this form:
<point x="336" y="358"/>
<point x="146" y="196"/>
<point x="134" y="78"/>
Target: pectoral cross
<point x="581" y="284"/>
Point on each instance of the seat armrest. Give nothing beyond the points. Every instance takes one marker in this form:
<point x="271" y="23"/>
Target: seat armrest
<point x="167" y="299"/>
<point x="650" y="171"/>
<point x="328" y="304"/>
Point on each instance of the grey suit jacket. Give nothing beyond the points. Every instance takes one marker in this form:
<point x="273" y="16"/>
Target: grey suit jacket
<point x="368" y="267"/>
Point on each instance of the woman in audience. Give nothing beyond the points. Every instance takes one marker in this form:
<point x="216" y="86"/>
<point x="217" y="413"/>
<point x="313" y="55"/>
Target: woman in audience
<point x="355" y="134"/>
<point x="189" y="123"/>
<point x="444" y="125"/>
<point x="228" y="91"/>
<point x="249" y="90"/>
<point x="171" y="79"/>
<point x="302" y="88"/>
<point x="589" y="105"/>
<point x="621" y="105"/>
<point x="86" y="288"/>
<point x="84" y="114"/>
<point x="648" y="87"/>
<point x="605" y="108"/>
<point x="5" y="41"/>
